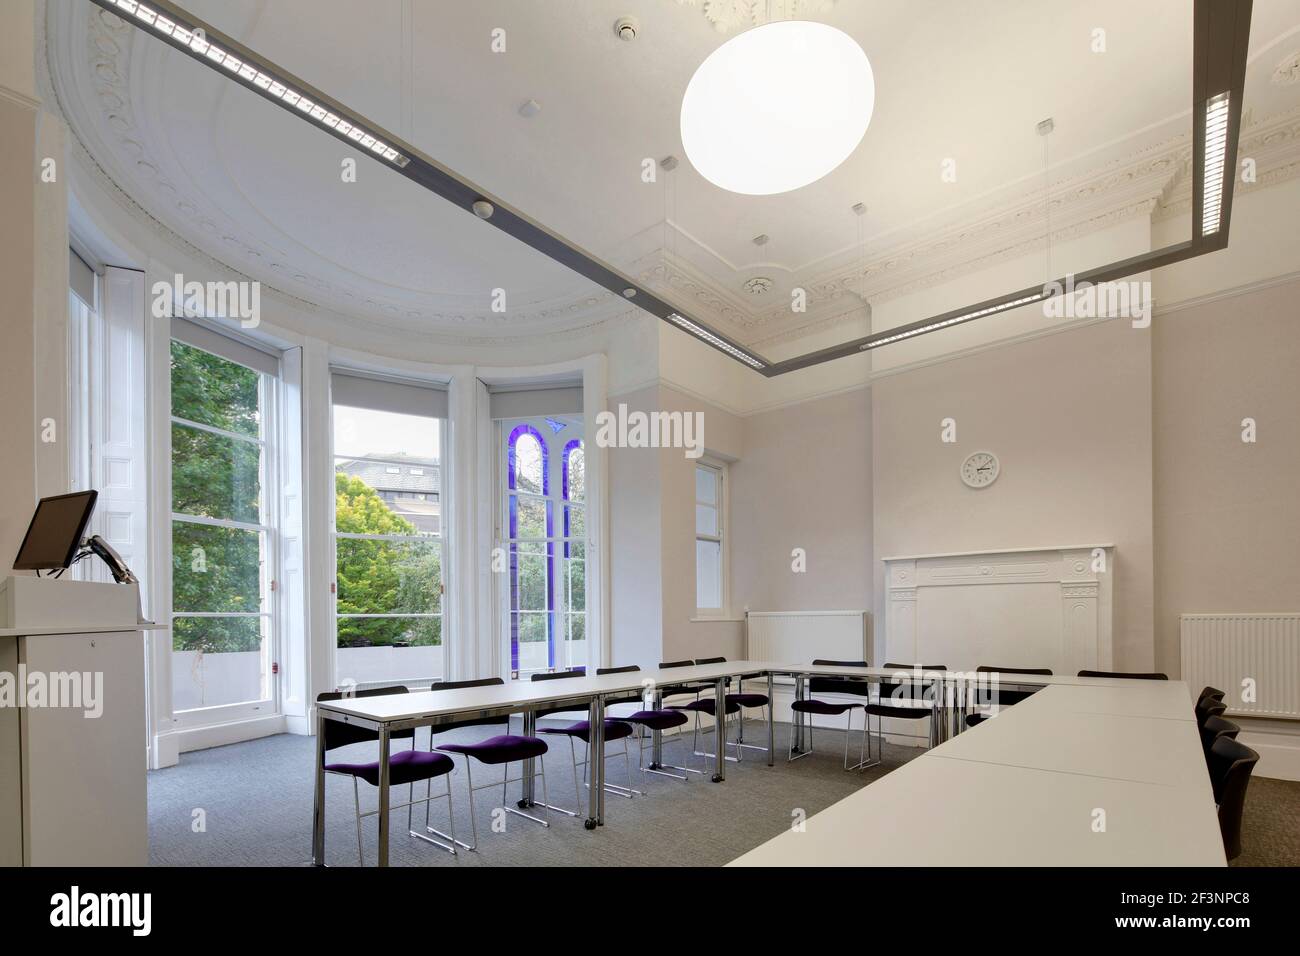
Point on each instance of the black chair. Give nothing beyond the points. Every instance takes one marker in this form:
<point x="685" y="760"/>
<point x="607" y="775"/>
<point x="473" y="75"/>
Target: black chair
<point x="652" y="720"/>
<point x="701" y="705"/>
<point x="1130" y="675"/>
<point x="806" y="709"/>
<point x="1230" y="765"/>
<point x="746" y="701"/>
<point x="581" y="730"/>
<point x="500" y="750"/>
<point x="1004" y="698"/>
<point x="1213" y="728"/>
<point x="1209" y="707"/>
<point x="404" y="767"/>
<point x="1208" y="691"/>
<point x="920" y="704"/>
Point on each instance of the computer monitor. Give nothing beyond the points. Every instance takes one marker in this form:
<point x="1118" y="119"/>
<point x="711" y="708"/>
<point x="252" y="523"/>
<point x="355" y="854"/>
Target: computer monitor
<point x="55" y="532"/>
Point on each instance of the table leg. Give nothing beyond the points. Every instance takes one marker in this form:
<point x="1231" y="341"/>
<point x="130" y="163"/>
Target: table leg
<point x="771" y="724"/>
<point x="596" y="738"/>
<point x="796" y="723"/>
<point x="599" y="735"/>
<point x="528" y="786"/>
<point x="720" y="730"/>
<point x="318" y="811"/>
<point x="385" y="746"/>
<point x="657" y="736"/>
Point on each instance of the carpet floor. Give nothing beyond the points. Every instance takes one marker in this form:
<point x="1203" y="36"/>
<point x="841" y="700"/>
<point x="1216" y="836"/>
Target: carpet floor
<point x="250" y="804"/>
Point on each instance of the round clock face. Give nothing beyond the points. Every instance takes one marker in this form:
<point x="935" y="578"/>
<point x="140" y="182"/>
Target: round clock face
<point x="980" y="469"/>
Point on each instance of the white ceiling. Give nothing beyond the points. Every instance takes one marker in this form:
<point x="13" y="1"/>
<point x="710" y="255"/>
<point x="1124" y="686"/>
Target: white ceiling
<point x="960" y="79"/>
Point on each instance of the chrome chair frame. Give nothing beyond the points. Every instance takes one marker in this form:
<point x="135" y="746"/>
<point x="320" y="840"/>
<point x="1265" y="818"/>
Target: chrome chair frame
<point x="806" y="720"/>
<point x="505" y="797"/>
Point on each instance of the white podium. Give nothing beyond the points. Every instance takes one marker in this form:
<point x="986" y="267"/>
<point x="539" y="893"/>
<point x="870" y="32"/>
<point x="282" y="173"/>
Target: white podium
<point x="72" y="724"/>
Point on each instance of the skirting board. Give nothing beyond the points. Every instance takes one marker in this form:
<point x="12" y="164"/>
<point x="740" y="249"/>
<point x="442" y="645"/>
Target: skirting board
<point x="168" y="747"/>
<point x="1278" y="745"/>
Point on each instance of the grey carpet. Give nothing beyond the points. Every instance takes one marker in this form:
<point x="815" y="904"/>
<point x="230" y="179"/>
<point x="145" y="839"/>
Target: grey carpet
<point x="256" y="799"/>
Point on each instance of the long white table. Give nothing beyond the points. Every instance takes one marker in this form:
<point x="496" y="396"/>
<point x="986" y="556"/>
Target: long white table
<point x="1079" y="774"/>
<point x="1106" y="738"/>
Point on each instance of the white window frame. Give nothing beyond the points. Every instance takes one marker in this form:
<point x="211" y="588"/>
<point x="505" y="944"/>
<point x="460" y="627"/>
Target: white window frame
<point x="719" y="468"/>
<point x="269" y="387"/>
<point x="441" y="539"/>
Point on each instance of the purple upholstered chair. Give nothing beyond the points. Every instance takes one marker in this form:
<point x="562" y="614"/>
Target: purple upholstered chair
<point x="705" y="704"/>
<point x="581" y="730"/>
<point x="654" y="720"/>
<point x="1003" y="698"/>
<point x="404" y="767"/>
<point x="905" y="700"/>
<point x="744" y="701"/>
<point x="500" y="750"/>
<point x="804" y="710"/>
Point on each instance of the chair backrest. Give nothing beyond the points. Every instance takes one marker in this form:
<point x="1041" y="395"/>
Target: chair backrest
<point x="1009" y="697"/>
<point x="473" y="721"/>
<point x="1131" y="675"/>
<point x="839" y="685"/>
<point x="909" y="690"/>
<point x="629" y="669"/>
<point x="710" y="660"/>
<point x="1209" y="707"/>
<point x="1231" y="764"/>
<point x="572" y="672"/>
<point x="1208" y="691"/>
<point x="338" y="734"/>
<point x="986" y="669"/>
<point x="679" y="688"/>
<point x="557" y="675"/>
<point x="1213" y="728"/>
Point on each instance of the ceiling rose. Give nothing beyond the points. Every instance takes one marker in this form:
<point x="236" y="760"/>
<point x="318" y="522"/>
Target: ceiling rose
<point x="777" y="107"/>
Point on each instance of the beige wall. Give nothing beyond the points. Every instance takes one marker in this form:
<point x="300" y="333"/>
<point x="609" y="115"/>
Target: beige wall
<point x="636" y="598"/>
<point x="1069" y="416"/>
<point x="1227" y="513"/>
<point x="804" y="482"/>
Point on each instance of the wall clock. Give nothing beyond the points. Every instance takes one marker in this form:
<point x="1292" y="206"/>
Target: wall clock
<point x="980" y="469"/>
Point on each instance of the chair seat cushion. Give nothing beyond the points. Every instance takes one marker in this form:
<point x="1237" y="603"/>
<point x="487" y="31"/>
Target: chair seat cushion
<point x="973" y="720"/>
<point x="901" y="711"/>
<point x="614" y="730"/>
<point x="748" y="700"/>
<point x="707" y="705"/>
<point x="405" y="766"/>
<point x="821" y="707"/>
<point x="501" y="749"/>
<point x="657" y="719"/>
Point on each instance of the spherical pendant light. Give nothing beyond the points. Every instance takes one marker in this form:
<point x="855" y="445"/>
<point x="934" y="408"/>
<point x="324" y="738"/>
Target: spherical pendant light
<point x="777" y="107"/>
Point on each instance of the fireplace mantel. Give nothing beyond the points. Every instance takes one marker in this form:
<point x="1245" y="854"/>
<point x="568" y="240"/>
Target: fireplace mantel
<point x="1018" y="607"/>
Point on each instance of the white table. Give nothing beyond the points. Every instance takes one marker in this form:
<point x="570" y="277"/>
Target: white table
<point x="1025" y="789"/>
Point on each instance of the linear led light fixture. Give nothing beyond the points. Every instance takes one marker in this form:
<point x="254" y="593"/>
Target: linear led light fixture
<point x="1220" y="38"/>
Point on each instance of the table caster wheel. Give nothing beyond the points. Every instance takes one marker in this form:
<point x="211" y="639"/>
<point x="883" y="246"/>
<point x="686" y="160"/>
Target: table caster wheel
<point x="522" y="804"/>
<point x="589" y="824"/>
<point x="717" y="778"/>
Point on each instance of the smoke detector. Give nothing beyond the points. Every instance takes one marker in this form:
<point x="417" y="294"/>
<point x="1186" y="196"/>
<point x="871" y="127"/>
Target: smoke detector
<point x="626" y="28"/>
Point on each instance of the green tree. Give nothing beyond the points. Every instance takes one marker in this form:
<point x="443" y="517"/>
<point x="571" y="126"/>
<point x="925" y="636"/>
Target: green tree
<point x="383" y="577"/>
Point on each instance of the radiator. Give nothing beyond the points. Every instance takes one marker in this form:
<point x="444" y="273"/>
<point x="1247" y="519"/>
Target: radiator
<point x="799" y="637"/>
<point x="1225" y="650"/>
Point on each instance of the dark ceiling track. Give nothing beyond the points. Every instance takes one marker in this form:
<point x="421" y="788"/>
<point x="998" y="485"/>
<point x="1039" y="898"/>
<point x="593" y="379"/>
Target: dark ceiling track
<point x="1219" y="45"/>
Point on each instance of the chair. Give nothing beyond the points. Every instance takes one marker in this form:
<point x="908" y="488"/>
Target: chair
<point x="746" y="701"/>
<point x="404" y="767"/>
<point x="892" y="691"/>
<point x="1230" y="765"/>
<point x="1005" y="698"/>
<point x="1208" y="691"/>
<point x="1209" y="707"/>
<point x="1213" y="728"/>
<point x="653" y="720"/>
<point x="810" y="706"/>
<point x="581" y="730"/>
<point x="1130" y="675"/>
<point x="503" y="750"/>
<point x="701" y="705"/>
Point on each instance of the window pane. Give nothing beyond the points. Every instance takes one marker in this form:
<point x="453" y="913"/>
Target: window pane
<point x="532" y="629"/>
<point x="214" y="391"/>
<point x="215" y="569"/>
<point x="577" y="474"/>
<point x="364" y="433"/>
<point x="217" y="661"/>
<point x="528" y="464"/>
<point x="388" y="632"/>
<point x="708" y="574"/>
<point x="529" y="516"/>
<point x="706" y="485"/>
<point x="388" y="577"/>
<point x="531" y="579"/>
<point x="706" y="519"/>
<point x="576" y="584"/>
<point x="370" y="500"/>
<point x="215" y="476"/>
<point x="577" y="627"/>
<point x="577" y="522"/>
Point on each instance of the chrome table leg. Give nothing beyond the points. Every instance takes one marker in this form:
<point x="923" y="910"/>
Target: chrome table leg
<point x="385" y="748"/>
<point x="720" y="730"/>
<point x="318" y="811"/>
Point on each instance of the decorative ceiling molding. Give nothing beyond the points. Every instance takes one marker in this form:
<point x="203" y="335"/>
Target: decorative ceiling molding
<point x="1287" y="71"/>
<point x="727" y="15"/>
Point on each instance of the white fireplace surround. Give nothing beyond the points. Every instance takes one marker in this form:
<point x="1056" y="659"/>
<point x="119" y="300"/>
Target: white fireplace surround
<point x="1021" y="607"/>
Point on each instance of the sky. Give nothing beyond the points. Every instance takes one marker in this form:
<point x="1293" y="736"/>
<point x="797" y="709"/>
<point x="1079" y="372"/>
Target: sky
<point x="361" y="432"/>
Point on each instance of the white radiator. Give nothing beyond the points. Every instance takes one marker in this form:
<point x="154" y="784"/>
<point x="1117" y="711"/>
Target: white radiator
<point x="1227" y="650"/>
<point x="799" y="637"/>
